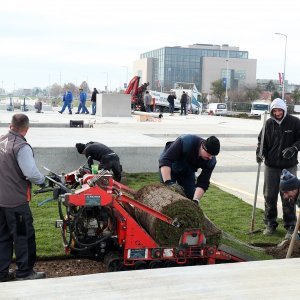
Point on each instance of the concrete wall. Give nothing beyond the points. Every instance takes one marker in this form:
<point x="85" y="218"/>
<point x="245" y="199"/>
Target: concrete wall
<point x="66" y="159"/>
<point x="113" y="105"/>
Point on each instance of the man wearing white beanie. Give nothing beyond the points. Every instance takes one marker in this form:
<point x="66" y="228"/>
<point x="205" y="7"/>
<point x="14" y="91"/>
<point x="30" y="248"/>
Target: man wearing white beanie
<point x="279" y="151"/>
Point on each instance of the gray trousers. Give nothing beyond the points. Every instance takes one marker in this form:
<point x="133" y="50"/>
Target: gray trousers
<point x="271" y="190"/>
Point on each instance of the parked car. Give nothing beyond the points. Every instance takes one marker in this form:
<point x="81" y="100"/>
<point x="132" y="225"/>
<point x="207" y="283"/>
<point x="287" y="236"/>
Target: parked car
<point x="217" y="109"/>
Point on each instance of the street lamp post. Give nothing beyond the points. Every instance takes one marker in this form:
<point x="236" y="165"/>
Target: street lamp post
<point x="226" y="86"/>
<point x="283" y="76"/>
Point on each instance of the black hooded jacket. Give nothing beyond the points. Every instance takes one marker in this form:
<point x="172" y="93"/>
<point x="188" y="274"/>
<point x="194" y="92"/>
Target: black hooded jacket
<point x="279" y="136"/>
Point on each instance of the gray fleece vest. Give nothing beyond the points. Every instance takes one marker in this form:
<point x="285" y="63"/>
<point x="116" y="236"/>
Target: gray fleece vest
<point x="15" y="190"/>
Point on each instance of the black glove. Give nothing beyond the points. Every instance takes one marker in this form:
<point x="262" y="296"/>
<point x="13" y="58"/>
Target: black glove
<point x="289" y="152"/>
<point x="42" y="185"/>
<point x="175" y="187"/>
<point x="259" y="158"/>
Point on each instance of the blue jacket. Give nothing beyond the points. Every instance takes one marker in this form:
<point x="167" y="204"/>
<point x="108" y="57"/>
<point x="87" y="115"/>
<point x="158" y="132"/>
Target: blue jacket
<point x="82" y="96"/>
<point x="69" y="97"/>
<point x="182" y="156"/>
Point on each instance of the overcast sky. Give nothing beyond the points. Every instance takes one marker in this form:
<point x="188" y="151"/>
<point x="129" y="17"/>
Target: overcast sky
<point x="43" y="41"/>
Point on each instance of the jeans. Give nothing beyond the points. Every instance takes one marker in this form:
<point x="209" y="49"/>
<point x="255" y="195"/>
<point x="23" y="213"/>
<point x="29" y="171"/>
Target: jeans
<point x="93" y="108"/>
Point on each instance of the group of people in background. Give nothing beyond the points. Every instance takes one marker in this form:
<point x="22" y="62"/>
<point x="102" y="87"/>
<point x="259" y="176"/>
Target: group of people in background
<point x="68" y="100"/>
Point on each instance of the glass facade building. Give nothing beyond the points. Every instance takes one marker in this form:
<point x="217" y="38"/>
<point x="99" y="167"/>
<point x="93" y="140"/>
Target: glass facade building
<point x="184" y="64"/>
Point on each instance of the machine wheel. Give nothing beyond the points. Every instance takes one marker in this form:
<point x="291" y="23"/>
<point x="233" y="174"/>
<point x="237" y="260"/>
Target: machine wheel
<point x="140" y="265"/>
<point x="112" y="261"/>
<point x="155" y="264"/>
<point x="170" y="264"/>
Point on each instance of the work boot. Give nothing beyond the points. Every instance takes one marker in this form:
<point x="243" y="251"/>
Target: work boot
<point x="33" y="275"/>
<point x="60" y="112"/>
<point x="269" y="230"/>
<point x="77" y="113"/>
<point x="289" y="233"/>
<point x="9" y="277"/>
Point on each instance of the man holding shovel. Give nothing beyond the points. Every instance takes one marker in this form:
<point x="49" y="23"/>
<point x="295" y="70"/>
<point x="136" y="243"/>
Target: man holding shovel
<point x="280" y="147"/>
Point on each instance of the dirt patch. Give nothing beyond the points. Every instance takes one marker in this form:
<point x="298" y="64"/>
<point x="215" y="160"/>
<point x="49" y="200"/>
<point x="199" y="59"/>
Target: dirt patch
<point x="281" y="251"/>
<point x="69" y="267"/>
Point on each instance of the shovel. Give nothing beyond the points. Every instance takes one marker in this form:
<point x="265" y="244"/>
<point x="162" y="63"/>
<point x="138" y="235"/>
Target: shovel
<point x="294" y="237"/>
<point x="257" y="177"/>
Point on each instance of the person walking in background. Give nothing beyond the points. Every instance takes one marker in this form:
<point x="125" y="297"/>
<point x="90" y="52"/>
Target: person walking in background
<point x="279" y="151"/>
<point x="17" y="170"/>
<point x="171" y="98"/>
<point x="67" y="99"/>
<point x="82" y="102"/>
<point x="183" y="157"/>
<point x="93" y="100"/>
<point x="183" y="102"/>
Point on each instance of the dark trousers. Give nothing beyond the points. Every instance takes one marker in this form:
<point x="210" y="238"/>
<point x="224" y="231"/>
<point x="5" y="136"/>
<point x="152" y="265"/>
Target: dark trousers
<point x="183" y="108"/>
<point x="17" y="233"/>
<point x="271" y="190"/>
<point x="171" y="108"/>
<point x="112" y="163"/>
<point x="186" y="180"/>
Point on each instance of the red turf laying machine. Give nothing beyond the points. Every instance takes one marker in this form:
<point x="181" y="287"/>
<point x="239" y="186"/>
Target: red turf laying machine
<point x="97" y="220"/>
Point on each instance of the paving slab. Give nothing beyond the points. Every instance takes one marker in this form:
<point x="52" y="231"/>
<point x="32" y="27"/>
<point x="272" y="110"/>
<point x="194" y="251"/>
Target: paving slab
<point x="274" y="279"/>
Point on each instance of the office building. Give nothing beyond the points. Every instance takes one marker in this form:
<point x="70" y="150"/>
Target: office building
<point x="199" y="63"/>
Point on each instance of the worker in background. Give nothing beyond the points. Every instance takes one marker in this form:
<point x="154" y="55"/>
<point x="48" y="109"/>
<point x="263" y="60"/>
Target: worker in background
<point x="171" y="98"/>
<point x="147" y="101"/>
<point x="82" y="102"/>
<point x="67" y="100"/>
<point x="279" y="151"/>
<point x="93" y="100"/>
<point x="289" y="187"/>
<point x="183" y="102"/>
<point x="17" y="171"/>
<point x="183" y="157"/>
<point x="107" y="158"/>
<point x="38" y="105"/>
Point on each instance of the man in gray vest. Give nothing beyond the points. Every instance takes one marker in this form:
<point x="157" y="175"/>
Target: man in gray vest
<point x="17" y="172"/>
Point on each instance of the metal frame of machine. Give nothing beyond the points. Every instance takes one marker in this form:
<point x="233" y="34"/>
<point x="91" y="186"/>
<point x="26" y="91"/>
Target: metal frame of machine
<point x="99" y="222"/>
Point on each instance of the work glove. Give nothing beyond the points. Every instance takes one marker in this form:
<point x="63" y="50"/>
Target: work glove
<point x="259" y="158"/>
<point x="175" y="187"/>
<point x="196" y="201"/>
<point x="289" y="152"/>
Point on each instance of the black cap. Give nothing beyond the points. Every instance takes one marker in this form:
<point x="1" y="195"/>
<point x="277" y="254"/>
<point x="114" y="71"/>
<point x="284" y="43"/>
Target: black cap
<point x="212" y="145"/>
<point x="288" y="181"/>
<point x="80" y="147"/>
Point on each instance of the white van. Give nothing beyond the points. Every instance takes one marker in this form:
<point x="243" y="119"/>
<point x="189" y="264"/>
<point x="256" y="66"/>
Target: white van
<point x="217" y="109"/>
<point x="259" y="107"/>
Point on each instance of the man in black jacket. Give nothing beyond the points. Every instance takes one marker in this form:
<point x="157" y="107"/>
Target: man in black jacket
<point x="279" y="151"/>
<point x="183" y="157"/>
<point x="183" y="102"/>
<point x="93" y="100"/>
<point x="108" y="159"/>
<point x="171" y="98"/>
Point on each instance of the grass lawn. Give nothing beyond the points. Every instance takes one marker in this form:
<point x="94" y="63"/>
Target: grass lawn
<point x="229" y="213"/>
